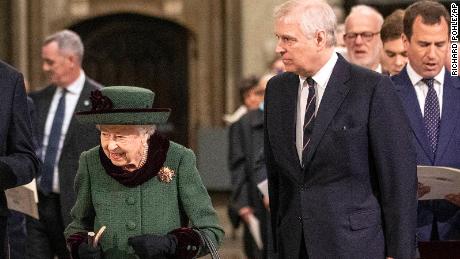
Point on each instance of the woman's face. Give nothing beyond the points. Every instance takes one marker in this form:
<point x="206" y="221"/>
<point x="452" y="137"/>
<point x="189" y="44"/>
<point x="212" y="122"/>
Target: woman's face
<point x="123" y="144"/>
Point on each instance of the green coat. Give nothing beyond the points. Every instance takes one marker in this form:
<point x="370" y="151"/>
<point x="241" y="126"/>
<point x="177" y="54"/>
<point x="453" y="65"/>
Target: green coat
<point x="153" y="207"/>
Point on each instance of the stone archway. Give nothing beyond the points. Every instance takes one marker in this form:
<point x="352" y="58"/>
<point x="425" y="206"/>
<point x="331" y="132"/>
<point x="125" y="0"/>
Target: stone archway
<point x="133" y="49"/>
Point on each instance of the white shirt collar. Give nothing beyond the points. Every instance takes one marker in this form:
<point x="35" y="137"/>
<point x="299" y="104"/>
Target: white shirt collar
<point x="322" y="76"/>
<point x="415" y="78"/>
<point x="76" y="86"/>
<point x="378" y="69"/>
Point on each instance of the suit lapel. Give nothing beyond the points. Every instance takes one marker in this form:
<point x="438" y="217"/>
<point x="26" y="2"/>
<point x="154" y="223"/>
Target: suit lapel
<point x="450" y="112"/>
<point x="412" y="107"/>
<point x="335" y="93"/>
<point x="290" y="117"/>
<point x="82" y="104"/>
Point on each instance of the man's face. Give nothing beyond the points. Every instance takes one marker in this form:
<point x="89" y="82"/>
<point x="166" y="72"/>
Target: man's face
<point x="56" y="64"/>
<point x="427" y="47"/>
<point x="296" y="50"/>
<point x="364" y="48"/>
<point x="394" y="56"/>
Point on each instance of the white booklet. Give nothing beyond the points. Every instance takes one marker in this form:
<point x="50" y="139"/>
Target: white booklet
<point x="24" y="199"/>
<point x="254" y="229"/>
<point x="441" y="180"/>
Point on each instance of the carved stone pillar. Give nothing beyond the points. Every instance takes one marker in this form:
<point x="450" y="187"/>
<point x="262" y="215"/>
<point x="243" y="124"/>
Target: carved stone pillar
<point x="19" y="32"/>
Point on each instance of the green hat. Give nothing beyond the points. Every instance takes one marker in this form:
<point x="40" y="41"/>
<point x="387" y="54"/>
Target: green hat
<point x="123" y="105"/>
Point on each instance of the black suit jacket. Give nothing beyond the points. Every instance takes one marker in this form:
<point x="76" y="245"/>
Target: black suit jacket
<point x="79" y="138"/>
<point x="356" y="195"/>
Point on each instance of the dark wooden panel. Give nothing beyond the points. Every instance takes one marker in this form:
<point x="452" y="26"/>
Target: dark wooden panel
<point x="132" y="49"/>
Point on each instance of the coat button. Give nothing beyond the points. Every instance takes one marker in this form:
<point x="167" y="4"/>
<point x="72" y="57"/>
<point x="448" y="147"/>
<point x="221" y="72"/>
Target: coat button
<point x="131" y="225"/>
<point x="130" y="200"/>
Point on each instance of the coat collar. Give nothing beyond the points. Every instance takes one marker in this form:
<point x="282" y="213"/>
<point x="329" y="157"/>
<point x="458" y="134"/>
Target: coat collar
<point x="335" y="93"/>
<point x="158" y="149"/>
<point x="410" y="102"/>
<point x="83" y="104"/>
<point x="284" y="126"/>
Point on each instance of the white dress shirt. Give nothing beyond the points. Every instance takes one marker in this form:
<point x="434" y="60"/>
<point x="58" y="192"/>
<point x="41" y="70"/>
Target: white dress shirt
<point x="321" y="78"/>
<point x="421" y="89"/>
<point x="71" y="99"/>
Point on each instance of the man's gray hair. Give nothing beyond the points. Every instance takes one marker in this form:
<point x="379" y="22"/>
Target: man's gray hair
<point x="366" y="10"/>
<point x="314" y="15"/>
<point x="68" y="42"/>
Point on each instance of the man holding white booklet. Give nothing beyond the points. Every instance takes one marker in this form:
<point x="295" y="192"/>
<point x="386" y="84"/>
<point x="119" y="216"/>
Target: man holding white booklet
<point x="431" y="99"/>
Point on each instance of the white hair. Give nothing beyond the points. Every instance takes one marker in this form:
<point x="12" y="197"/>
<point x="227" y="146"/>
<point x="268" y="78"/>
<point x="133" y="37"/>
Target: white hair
<point x="315" y="15"/>
<point x="142" y="129"/>
<point x="365" y="10"/>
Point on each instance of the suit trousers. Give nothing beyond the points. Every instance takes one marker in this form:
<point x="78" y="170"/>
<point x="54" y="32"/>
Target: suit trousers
<point x="46" y="236"/>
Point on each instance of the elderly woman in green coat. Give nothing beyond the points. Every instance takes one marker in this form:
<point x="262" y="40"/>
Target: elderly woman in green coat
<point x="144" y="189"/>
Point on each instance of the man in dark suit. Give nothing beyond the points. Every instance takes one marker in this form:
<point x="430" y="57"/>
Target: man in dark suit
<point x="431" y="99"/>
<point x="18" y="163"/>
<point x="340" y="163"/>
<point x="62" y="139"/>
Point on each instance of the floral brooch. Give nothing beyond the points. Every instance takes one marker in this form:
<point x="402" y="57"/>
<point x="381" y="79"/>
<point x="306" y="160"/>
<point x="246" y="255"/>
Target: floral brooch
<point x="166" y="174"/>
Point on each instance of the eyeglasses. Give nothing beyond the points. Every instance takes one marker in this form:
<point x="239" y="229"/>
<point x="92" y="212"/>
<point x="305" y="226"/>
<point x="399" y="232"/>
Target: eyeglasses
<point x="366" y="36"/>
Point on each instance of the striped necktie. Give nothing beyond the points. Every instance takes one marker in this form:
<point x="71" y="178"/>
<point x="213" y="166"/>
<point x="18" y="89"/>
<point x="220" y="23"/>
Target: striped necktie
<point x="309" y="120"/>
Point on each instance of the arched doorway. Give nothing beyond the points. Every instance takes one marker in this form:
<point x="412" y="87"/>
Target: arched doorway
<point x="133" y="49"/>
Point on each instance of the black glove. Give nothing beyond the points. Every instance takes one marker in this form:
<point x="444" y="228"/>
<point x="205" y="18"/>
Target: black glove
<point x="148" y="246"/>
<point x="86" y="251"/>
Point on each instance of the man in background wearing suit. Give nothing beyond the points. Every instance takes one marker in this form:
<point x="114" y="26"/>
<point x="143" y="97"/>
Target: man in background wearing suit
<point x="394" y="56"/>
<point x="431" y="99"/>
<point x="62" y="139"/>
<point x="362" y="28"/>
<point x="18" y="163"/>
<point x="340" y="163"/>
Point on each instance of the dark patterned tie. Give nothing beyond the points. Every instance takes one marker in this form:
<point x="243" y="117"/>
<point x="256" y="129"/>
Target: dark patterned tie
<point x="309" y="121"/>
<point x="46" y="181"/>
<point x="432" y="116"/>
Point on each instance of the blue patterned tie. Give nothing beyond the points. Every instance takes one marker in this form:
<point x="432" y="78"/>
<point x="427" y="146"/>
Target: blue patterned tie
<point x="432" y="116"/>
<point x="309" y="120"/>
<point x="46" y="182"/>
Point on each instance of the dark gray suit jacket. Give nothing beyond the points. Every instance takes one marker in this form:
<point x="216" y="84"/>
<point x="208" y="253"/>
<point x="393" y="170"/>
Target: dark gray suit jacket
<point x="447" y="152"/>
<point x="356" y="195"/>
<point x="246" y="138"/>
<point x="79" y="138"/>
<point x="245" y="142"/>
